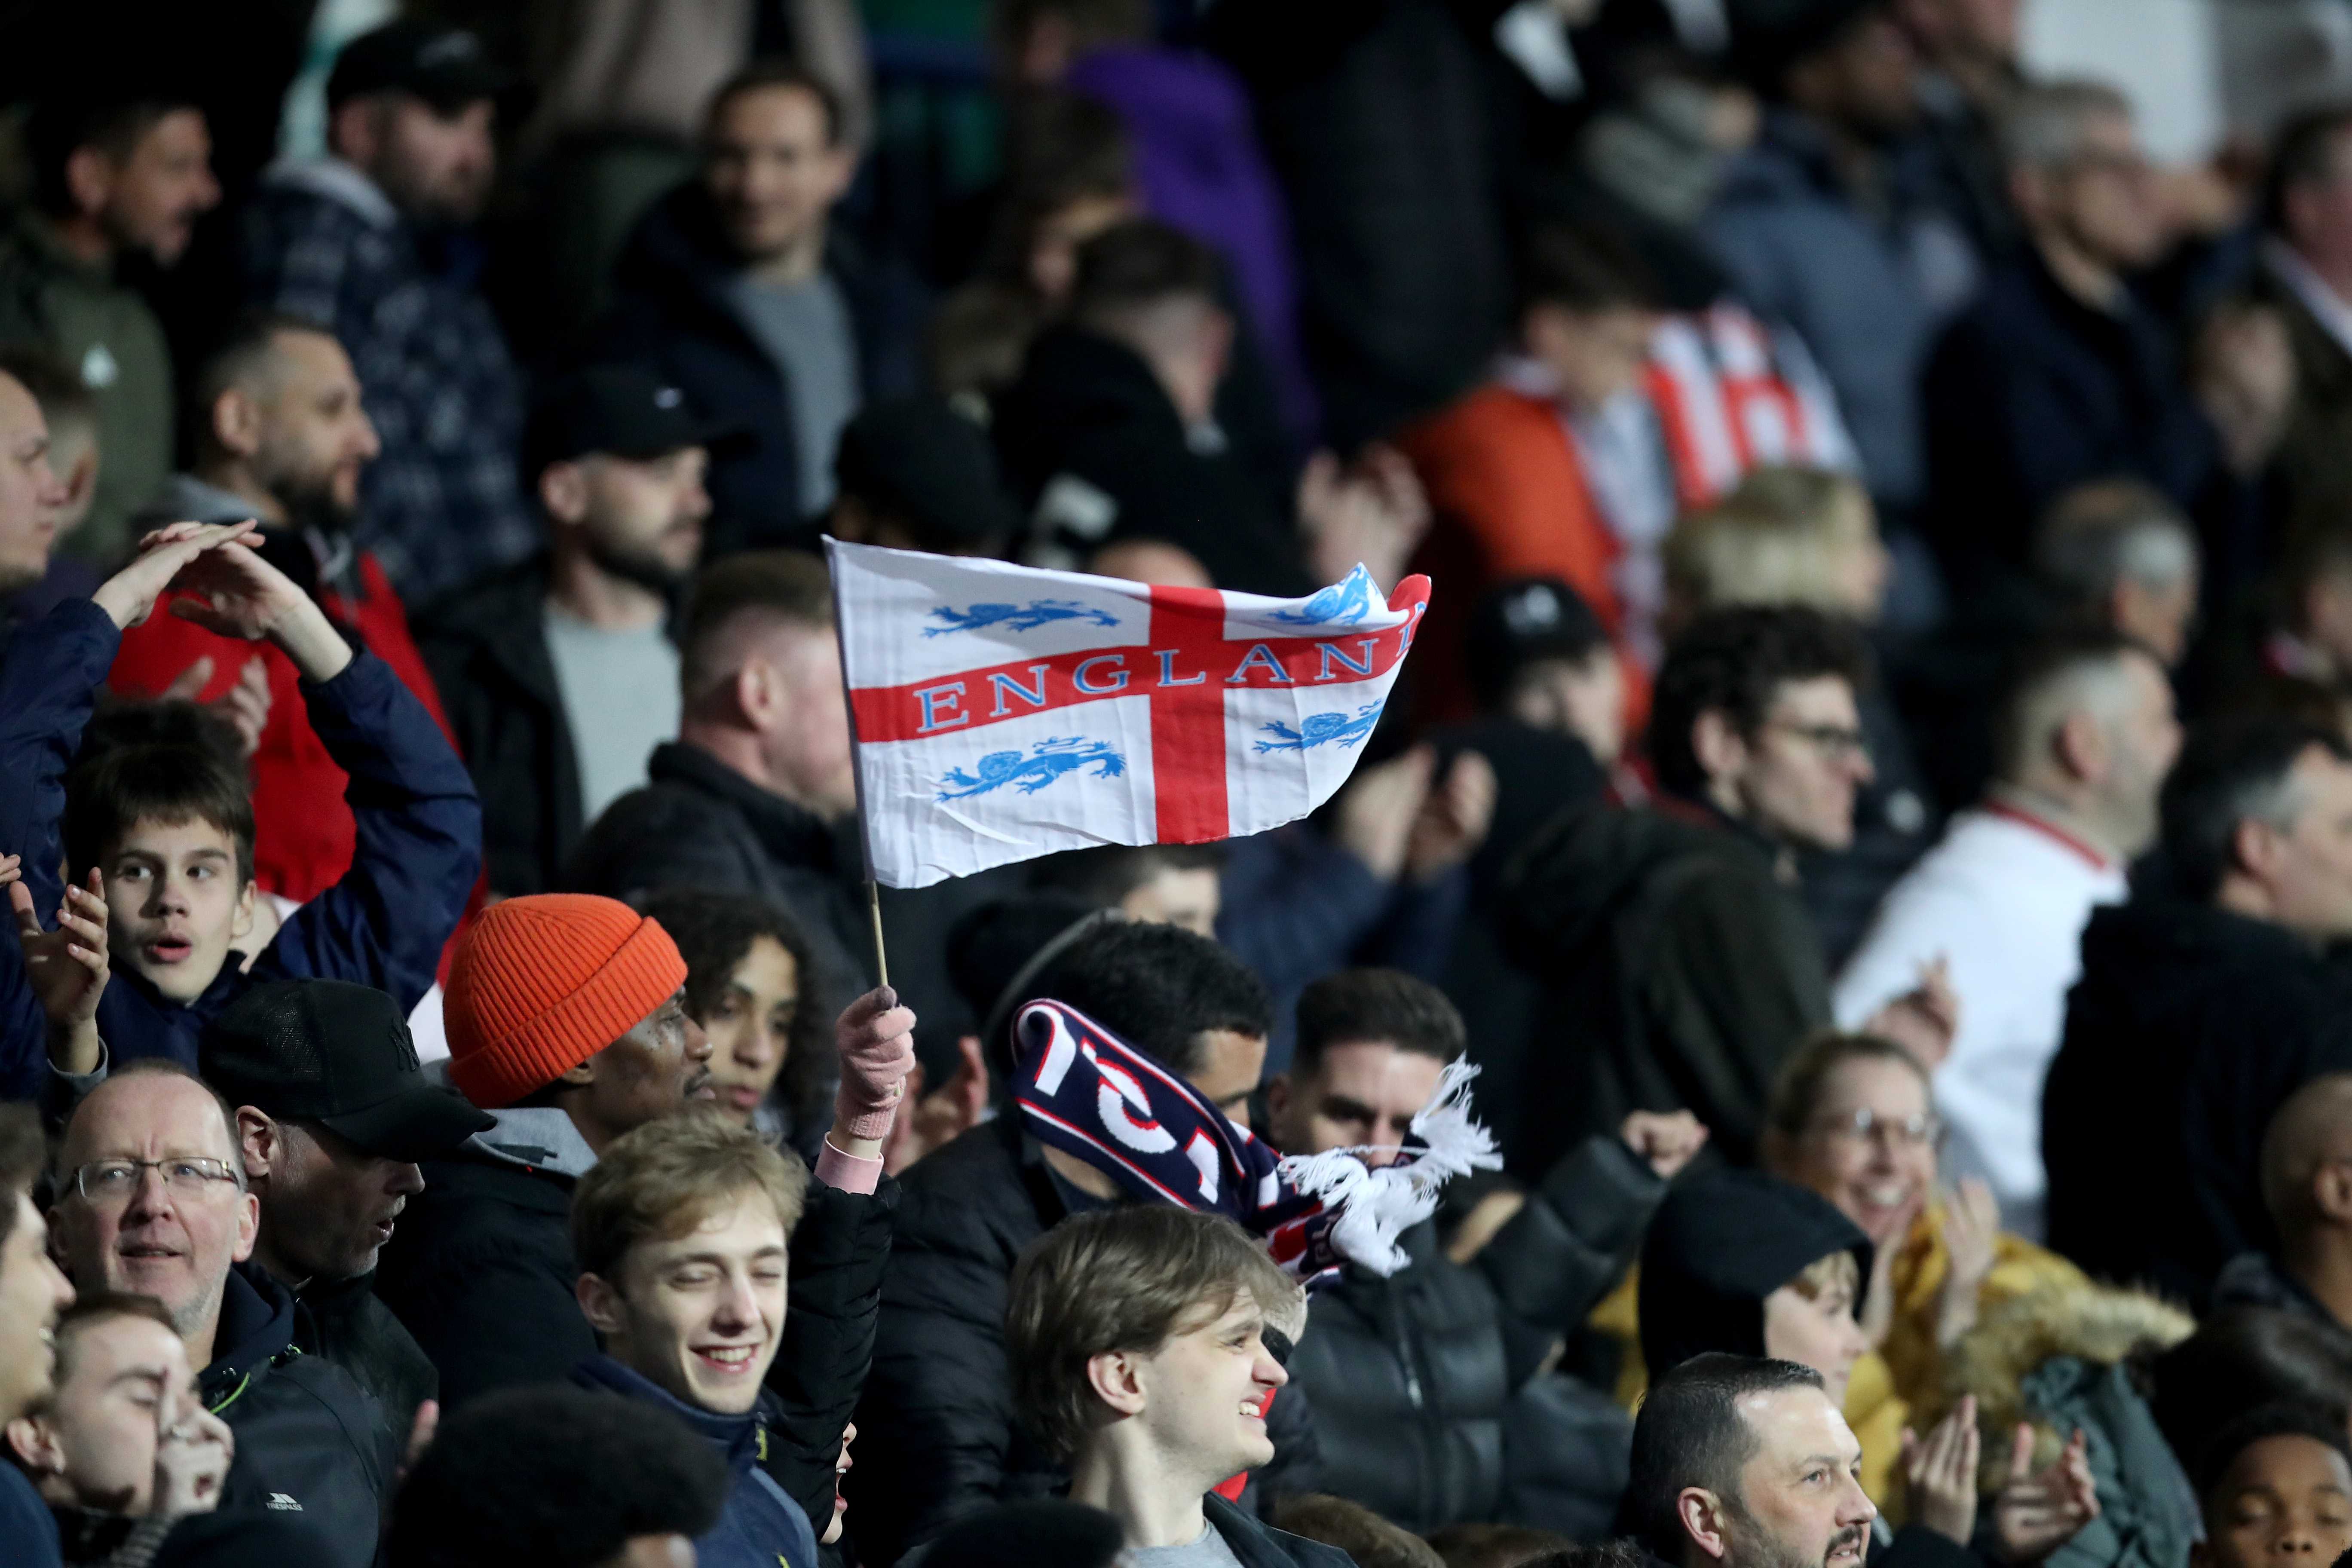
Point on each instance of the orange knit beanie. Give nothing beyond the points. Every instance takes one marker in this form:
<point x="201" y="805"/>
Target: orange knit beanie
<point x="544" y="983"/>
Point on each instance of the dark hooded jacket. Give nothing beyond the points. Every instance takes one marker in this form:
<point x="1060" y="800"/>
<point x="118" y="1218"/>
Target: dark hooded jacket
<point x="937" y="1438"/>
<point x="345" y="1323"/>
<point x="1720" y="1244"/>
<point x="672" y="312"/>
<point x="1087" y="414"/>
<point x="309" y="1440"/>
<point x="2189" y="1027"/>
<point x="1416" y="1378"/>
<point x="700" y="824"/>
<point x="761" y="1526"/>
<point x="1679" y="973"/>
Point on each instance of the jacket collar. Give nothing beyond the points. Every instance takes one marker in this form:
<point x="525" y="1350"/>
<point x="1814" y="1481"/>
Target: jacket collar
<point x="256" y="1326"/>
<point x="338" y="182"/>
<point x="786" y="831"/>
<point x="737" y="1437"/>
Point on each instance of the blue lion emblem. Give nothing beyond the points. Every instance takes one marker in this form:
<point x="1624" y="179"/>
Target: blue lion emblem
<point x="1343" y="604"/>
<point x="1015" y="617"/>
<point x="1319" y="727"/>
<point x="1050" y="760"/>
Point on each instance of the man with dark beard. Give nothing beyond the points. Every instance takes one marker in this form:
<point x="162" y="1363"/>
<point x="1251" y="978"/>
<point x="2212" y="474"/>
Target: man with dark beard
<point x="562" y="676"/>
<point x="280" y="436"/>
<point x="1741" y="1462"/>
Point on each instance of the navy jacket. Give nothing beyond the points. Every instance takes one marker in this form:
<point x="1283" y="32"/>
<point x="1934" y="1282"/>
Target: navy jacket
<point x="2032" y="392"/>
<point x="761" y="1526"/>
<point x="419" y="847"/>
<point x="25" y="1523"/>
<point x="672" y="314"/>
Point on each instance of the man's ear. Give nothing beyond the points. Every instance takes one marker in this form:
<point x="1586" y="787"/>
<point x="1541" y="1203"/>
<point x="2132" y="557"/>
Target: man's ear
<point x="563" y="490"/>
<point x="2081" y="744"/>
<point x="1278" y="1093"/>
<point x="89" y="179"/>
<point x="355" y="130"/>
<point x="1702" y="1515"/>
<point x="237" y="422"/>
<point x="34" y="1445"/>
<point x="241" y="923"/>
<point x="2253" y="849"/>
<point x="1117" y="1378"/>
<point x="581" y="1075"/>
<point x="2331" y="1191"/>
<point x="259" y="1142"/>
<point x="600" y="1303"/>
<point x="248" y="1226"/>
<point x="1717" y="742"/>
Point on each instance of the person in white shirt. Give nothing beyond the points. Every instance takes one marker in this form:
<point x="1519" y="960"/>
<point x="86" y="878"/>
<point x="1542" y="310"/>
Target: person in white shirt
<point x="2082" y="739"/>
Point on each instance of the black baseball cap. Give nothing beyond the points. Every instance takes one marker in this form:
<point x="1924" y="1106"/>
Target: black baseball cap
<point x="324" y="1050"/>
<point x="446" y="67"/>
<point x="1514" y="623"/>
<point x="622" y="409"/>
<point x="932" y="468"/>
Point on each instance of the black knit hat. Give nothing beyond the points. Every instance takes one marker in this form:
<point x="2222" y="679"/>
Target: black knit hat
<point x="1718" y="1246"/>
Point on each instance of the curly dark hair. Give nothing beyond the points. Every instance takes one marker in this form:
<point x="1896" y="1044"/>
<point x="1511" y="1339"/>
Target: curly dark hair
<point x="713" y="931"/>
<point x="1734" y="661"/>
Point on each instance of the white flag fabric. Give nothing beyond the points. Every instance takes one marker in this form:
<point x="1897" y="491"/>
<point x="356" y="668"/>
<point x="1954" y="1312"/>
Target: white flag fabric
<point x="1003" y="712"/>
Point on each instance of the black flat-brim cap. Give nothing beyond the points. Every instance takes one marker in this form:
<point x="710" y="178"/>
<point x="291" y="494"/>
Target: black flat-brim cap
<point x="327" y="1051"/>
<point x="623" y="411"/>
<point x="446" y="67"/>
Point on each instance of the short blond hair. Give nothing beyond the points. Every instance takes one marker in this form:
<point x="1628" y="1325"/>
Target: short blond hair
<point x="1122" y="1280"/>
<point x="1769" y="541"/>
<point x="660" y="1181"/>
<point x="1824" y="1274"/>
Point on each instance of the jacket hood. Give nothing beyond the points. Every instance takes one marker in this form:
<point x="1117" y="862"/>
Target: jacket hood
<point x="256" y="1325"/>
<point x="1072" y="383"/>
<point x="334" y="180"/>
<point x="789" y="832"/>
<point x="187" y="498"/>
<point x="1716" y="1247"/>
<point x="538" y="1138"/>
<point x="1592" y="858"/>
<point x="737" y="1437"/>
<point x="2097" y="1324"/>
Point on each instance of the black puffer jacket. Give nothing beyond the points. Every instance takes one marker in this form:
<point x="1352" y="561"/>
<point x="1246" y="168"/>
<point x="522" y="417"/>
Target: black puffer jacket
<point x="698" y="824"/>
<point x="936" y="1435"/>
<point x="1412" y="1377"/>
<point x="1679" y="975"/>
<point x="309" y="1440"/>
<point x="345" y="1322"/>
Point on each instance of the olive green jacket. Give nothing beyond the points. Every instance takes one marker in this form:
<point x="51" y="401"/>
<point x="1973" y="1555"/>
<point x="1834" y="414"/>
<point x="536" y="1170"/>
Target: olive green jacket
<point x="103" y="331"/>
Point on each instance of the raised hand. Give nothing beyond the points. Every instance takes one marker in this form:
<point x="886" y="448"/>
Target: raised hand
<point x="245" y="706"/>
<point x="1452" y="820"/>
<point x="194" y="1449"/>
<point x="1972" y="1237"/>
<point x="239" y="595"/>
<point x="1924" y="1019"/>
<point x="1665" y="1140"/>
<point x="1941" y="1471"/>
<point x="128" y="596"/>
<point x="876" y="1039"/>
<point x="2038" y="1512"/>
<point x="67" y="968"/>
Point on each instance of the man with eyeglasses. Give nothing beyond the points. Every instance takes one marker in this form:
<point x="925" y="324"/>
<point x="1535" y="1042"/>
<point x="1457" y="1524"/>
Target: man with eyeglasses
<point x="2058" y="373"/>
<point x="153" y="1201"/>
<point x="1681" y="967"/>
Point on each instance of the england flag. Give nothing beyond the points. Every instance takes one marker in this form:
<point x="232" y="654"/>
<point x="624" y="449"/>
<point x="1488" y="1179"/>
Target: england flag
<point x="1003" y="712"/>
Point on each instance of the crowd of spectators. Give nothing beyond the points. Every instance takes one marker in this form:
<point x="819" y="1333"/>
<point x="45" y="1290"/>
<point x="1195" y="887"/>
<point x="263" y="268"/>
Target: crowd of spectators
<point x="1871" y="798"/>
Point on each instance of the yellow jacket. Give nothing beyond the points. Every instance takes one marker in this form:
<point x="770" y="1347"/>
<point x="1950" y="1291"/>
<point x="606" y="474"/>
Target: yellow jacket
<point x="1916" y="1361"/>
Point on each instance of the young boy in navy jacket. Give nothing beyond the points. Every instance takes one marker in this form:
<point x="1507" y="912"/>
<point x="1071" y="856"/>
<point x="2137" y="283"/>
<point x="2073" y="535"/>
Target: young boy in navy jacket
<point x="157" y="835"/>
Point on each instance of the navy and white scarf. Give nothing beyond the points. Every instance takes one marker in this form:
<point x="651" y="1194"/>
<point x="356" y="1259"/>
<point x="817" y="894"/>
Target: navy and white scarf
<point x="1083" y="1091"/>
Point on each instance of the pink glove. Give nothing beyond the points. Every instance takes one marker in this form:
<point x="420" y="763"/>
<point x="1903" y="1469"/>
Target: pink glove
<point x="875" y="1037"/>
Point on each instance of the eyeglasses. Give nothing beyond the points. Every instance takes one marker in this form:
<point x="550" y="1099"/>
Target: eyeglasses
<point x="1835" y="743"/>
<point x="1922" y="1130"/>
<point x="111" y="1182"/>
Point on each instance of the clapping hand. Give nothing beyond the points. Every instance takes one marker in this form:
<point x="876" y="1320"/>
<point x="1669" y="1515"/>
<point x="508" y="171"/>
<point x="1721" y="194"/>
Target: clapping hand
<point x="67" y="968"/>
<point x="2037" y="1513"/>
<point x="1942" y="1473"/>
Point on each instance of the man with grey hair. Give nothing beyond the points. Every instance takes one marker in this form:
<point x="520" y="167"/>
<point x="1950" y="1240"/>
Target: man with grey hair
<point x="2119" y="554"/>
<point x="2058" y="373"/>
<point x="2204" y="1005"/>
<point x="152" y="1200"/>
<point x="2082" y="740"/>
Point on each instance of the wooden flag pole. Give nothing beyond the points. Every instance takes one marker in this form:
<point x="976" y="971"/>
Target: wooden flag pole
<point x="874" y="904"/>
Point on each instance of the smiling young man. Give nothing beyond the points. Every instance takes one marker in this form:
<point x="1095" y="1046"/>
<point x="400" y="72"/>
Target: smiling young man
<point x="162" y="831"/>
<point x="153" y="1202"/>
<point x="682" y="1232"/>
<point x="1137" y="1337"/>
<point x="1682" y="968"/>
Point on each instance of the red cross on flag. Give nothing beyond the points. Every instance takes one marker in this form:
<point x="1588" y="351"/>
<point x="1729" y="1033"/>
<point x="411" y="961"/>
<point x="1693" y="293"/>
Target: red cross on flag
<point x="1003" y="712"/>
